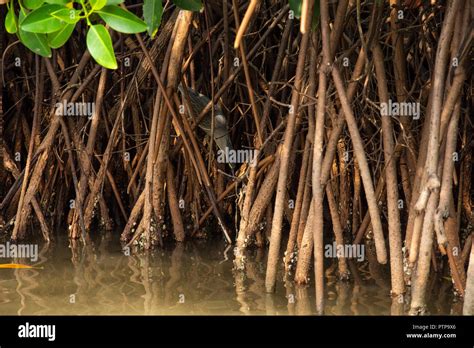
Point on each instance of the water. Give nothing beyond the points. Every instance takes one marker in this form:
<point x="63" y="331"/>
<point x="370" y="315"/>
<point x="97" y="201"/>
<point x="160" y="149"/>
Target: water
<point x="195" y="278"/>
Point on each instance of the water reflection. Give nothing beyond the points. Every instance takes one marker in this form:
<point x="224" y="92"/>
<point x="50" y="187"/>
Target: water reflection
<point x="193" y="278"/>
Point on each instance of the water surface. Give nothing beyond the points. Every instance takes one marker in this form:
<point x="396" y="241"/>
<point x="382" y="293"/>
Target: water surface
<point x="195" y="278"/>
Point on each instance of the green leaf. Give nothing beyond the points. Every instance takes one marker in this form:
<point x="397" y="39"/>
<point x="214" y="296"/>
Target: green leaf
<point x="152" y="12"/>
<point x="60" y="37"/>
<point x="295" y="6"/>
<point x="41" y="20"/>
<point x="38" y="43"/>
<point x="97" y="4"/>
<point x="11" y="23"/>
<point x="189" y="5"/>
<point x="122" y="20"/>
<point x="315" y="19"/>
<point x="114" y="2"/>
<point x="33" y="4"/>
<point x="68" y="15"/>
<point x="100" y="46"/>
<point x="56" y="2"/>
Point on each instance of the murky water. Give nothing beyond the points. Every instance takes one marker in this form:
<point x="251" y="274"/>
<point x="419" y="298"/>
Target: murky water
<point x="195" y="278"/>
